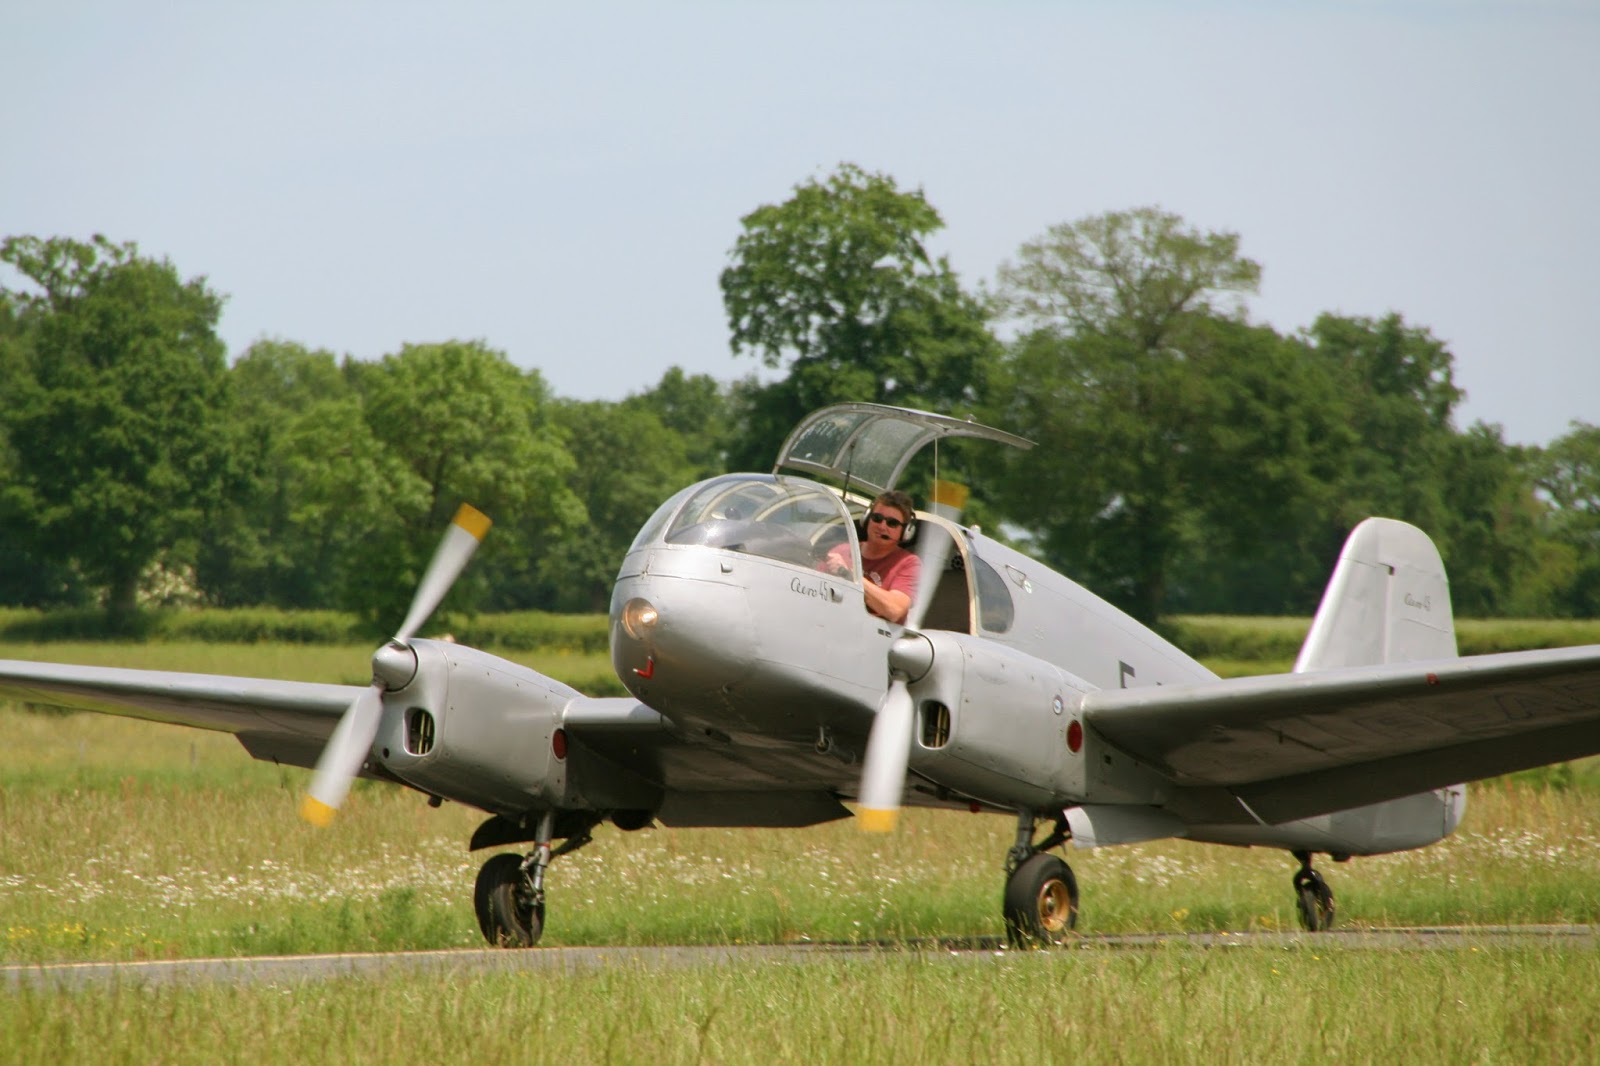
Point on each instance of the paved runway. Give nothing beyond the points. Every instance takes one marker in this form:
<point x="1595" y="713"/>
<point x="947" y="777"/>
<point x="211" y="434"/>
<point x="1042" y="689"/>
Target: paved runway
<point x="282" y="970"/>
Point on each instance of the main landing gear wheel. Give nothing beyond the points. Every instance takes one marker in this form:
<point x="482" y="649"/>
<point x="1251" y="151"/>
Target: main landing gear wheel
<point x="1313" y="898"/>
<point x="508" y="912"/>
<point x="1041" y="903"/>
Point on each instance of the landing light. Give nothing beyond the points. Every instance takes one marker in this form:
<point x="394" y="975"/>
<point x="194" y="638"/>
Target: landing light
<point x="639" y="616"/>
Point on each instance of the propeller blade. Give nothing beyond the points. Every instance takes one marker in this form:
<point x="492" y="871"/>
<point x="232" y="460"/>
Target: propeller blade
<point x="341" y="760"/>
<point x="393" y="664"/>
<point x="883" y="771"/>
<point x="948" y="499"/>
<point x="460" y="540"/>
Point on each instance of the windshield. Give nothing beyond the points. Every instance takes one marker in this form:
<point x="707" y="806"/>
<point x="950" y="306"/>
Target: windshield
<point x="779" y="518"/>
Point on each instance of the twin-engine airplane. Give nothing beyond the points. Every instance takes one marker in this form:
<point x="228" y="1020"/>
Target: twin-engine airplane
<point x="765" y="694"/>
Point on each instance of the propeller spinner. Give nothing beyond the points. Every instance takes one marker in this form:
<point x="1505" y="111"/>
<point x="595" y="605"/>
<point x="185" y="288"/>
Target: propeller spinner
<point x="883" y="770"/>
<point x="393" y="666"/>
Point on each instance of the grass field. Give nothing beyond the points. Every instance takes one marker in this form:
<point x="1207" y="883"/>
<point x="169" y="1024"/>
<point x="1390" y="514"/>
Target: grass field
<point x="1161" y="1005"/>
<point x="130" y="840"/>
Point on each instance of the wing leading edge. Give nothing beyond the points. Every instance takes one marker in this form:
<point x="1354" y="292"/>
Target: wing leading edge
<point x="1296" y="745"/>
<point x="288" y="721"/>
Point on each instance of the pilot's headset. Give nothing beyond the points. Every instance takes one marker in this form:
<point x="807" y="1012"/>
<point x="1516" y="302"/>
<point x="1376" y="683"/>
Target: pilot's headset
<point x="901" y="502"/>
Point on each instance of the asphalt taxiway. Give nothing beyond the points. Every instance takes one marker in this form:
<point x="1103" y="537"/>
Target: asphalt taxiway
<point x="284" y="970"/>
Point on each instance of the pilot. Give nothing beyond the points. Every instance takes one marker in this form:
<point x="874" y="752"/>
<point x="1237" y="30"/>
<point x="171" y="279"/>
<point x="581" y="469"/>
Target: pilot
<point x="891" y="570"/>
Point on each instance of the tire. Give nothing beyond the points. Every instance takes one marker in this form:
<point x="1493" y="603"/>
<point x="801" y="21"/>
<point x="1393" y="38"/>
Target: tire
<point x="506" y="916"/>
<point x="1041" y="902"/>
<point x="1314" y="901"/>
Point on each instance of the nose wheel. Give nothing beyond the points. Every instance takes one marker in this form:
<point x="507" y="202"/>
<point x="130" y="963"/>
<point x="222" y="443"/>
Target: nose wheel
<point x="1313" y="898"/>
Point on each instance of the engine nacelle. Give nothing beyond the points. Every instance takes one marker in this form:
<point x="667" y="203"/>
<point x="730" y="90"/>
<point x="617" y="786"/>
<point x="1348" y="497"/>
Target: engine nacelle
<point x="478" y="729"/>
<point x="999" y="724"/>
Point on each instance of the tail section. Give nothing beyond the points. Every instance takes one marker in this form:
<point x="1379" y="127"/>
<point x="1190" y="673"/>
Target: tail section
<point x="1387" y="602"/>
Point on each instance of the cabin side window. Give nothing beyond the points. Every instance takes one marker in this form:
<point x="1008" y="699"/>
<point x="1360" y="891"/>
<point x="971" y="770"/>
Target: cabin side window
<point x="996" y="610"/>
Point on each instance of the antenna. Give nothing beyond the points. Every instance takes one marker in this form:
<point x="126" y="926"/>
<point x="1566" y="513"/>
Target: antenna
<point x="848" y="469"/>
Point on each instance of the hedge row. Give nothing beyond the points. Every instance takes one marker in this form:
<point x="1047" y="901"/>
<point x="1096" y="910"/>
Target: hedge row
<point x="520" y="631"/>
<point x="1269" y="639"/>
<point x="1203" y="636"/>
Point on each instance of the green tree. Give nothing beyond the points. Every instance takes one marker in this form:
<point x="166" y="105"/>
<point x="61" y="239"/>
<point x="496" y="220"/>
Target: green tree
<point x="632" y="462"/>
<point x="465" y="425"/>
<point x="1139" y="275"/>
<point x="697" y="409"/>
<point x="1108" y="377"/>
<point x="1567" y="474"/>
<point x="1399" y="389"/>
<point x="836" y="286"/>
<point x="1259" y="475"/>
<point x="115" y="418"/>
<point x="1490" y="536"/>
<point x="1470" y="491"/>
<point x="27" y="578"/>
<point x="310" y="481"/>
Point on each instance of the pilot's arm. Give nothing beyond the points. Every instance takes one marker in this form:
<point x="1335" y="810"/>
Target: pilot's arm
<point x="891" y="601"/>
<point x="889" y="604"/>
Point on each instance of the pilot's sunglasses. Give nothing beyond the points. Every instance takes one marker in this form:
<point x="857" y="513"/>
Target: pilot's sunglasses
<point x="892" y="523"/>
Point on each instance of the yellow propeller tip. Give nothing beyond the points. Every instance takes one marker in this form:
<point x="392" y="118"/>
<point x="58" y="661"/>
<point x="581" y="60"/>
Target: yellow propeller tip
<point x="316" y="812"/>
<point x="875" y="821"/>
<point x="950" y="494"/>
<point x="472" y="520"/>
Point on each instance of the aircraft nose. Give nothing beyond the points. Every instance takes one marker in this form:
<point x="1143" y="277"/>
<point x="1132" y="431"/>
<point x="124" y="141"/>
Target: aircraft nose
<point x="675" y="635"/>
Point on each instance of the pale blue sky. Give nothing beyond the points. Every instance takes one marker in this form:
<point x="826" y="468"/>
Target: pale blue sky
<point x="564" y="181"/>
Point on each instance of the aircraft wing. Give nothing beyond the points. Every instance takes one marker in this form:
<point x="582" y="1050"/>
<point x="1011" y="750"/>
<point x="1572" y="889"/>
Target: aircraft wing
<point x="290" y="721"/>
<point x="1295" y="745"/>
<point x="285" y="721"/>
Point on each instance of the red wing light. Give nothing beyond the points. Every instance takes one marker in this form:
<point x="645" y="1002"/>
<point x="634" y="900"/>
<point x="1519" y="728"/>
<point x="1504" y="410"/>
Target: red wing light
<point x="1075" y="737"/>
<point x="558" y="743"/>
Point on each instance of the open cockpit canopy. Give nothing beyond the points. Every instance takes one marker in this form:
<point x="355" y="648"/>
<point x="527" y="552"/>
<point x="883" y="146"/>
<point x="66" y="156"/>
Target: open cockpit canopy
<point x="867" y="446"/>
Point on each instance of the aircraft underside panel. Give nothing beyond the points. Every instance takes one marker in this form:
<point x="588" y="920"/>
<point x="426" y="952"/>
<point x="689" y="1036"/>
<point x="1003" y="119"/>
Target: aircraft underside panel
<point x="1379" y="828"/>
<point x="757" y="809"/>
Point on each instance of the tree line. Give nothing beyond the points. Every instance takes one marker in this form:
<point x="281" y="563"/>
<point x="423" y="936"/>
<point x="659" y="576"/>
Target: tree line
<point x="1188" y="459"/>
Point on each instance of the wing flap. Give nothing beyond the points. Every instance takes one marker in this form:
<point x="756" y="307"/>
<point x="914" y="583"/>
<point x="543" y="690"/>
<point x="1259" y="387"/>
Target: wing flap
<point x="1334" y="739"/>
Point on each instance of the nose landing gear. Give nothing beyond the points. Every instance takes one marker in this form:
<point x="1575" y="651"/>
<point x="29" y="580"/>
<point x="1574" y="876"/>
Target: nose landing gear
<point x="1313" y="898"/>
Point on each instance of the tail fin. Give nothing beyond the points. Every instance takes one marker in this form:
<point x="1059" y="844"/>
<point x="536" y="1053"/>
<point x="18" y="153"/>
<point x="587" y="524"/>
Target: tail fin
<point x="1387" y="602"/>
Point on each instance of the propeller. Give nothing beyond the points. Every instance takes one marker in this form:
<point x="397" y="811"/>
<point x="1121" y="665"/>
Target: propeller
<point x="883" y="770"/>
<point x="393" y="667"/>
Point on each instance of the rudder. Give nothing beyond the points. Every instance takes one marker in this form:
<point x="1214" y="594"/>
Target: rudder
<point x="1388" y="601"/>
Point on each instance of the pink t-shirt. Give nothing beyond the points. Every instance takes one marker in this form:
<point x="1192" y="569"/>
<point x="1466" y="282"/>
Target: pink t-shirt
<point x="896" y="572"/>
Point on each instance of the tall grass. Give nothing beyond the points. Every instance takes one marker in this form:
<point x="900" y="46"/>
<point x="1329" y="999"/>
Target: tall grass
<point x="1304" y="1004"/>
